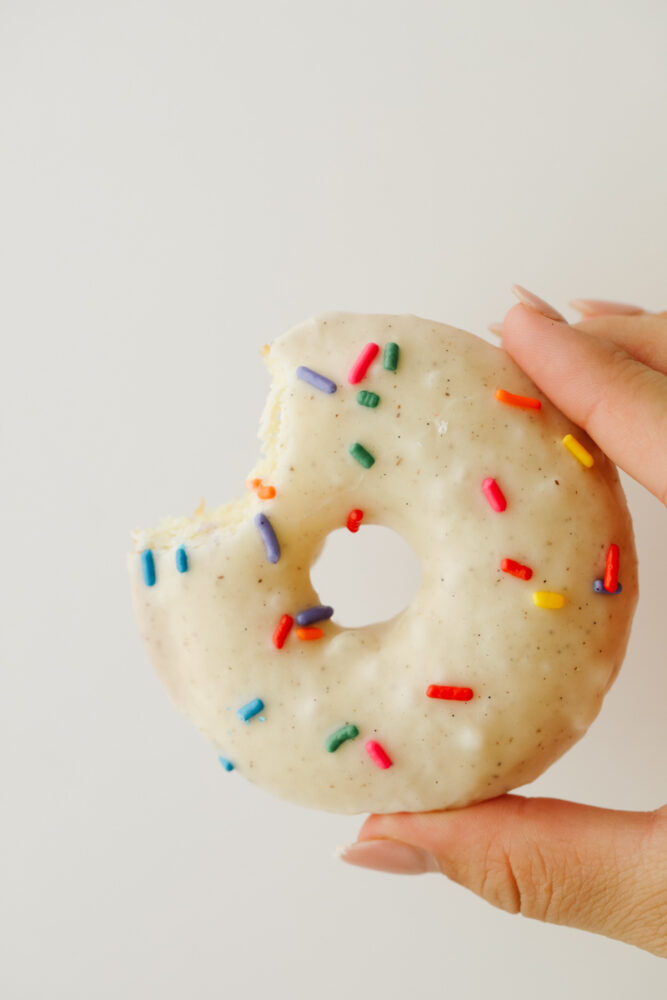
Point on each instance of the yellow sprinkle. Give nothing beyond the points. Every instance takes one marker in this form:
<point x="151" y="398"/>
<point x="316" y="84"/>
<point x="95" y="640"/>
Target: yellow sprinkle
<point x="200" y="509"/>
<point x="547" y="599"/>
<point x="578" y="451"/>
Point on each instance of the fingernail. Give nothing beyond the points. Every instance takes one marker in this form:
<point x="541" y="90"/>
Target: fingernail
<point x="496" y="328"/>
<point x="600" y="307"/>
<point x="534" y="302"/>
<point x="389" y="856"/>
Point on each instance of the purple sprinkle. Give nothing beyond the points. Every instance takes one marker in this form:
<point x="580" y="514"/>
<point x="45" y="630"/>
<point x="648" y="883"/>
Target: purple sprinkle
<point x="599" y="588"/>
<point x="318" y="381"/>
<point x="271" y="543"/>
<point x="310" y="615"/>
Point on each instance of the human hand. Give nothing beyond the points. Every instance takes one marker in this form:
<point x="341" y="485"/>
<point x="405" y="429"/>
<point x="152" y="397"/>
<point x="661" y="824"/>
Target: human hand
<point x="600" y="870"/>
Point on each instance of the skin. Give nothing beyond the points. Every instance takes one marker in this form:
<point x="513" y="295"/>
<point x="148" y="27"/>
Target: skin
<point x="600" y="870"/>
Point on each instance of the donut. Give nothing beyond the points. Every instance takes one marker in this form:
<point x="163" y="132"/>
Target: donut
<point x="529" y="577"/>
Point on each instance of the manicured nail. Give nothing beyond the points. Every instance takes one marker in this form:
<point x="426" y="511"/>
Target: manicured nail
<point x="535" y="303"/>
<point x="496" y="328"/>
<point x="599" y="307"/>
<point x="389" y="856"/>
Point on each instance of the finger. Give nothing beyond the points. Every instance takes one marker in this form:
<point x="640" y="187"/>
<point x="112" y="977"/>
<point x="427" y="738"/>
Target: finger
<point x="595" y="869"/>
<point x="620" y="402"/>
<point x="601" y="307"/>
<point x="643" y="336"/>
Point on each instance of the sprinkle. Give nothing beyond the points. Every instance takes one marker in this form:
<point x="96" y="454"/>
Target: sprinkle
<point x="318" y="381"/>
<point x="366" y="398"/>
<point x="181" y="559"/>
<point x="578" y="451"/>
<point x="282" y="630"/>
<point x="494" y="495"/>
<point x="378" y="755"/>
<point x="349" y="732"/>
<point x="548" y="599"/>
<point x="148" y="567"/>
<point x="599" y="588"/>
<point x="390" y="358"/>
<point x="611" y="569"/>
<point x="524" y="402"/>
<point x="251" y="708"/>
<point x="362" y="456"/>
<point x="354" y="520"/>
<point x="309" y="634"/>
<point x="516" y="569"/>
<point x="362" y="364"/>
<point x="227" y="764"/>
<point x="448" y="693"/>
<point x="271" y="543"/>
<point x="318" y="613"/>
<point x="262" y="491"/>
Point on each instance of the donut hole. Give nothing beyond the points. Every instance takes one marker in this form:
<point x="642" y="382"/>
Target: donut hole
<point x="367" y="576"/>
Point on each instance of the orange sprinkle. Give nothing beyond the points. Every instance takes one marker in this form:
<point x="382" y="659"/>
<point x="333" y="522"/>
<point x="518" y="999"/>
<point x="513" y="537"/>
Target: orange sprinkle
<point x="308" y="634"/>
<point x="262" y="491"/>
<point x="525" y="402"/>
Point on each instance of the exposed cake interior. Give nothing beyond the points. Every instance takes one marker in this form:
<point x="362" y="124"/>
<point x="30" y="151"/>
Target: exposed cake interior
<point x="198" y="528"/>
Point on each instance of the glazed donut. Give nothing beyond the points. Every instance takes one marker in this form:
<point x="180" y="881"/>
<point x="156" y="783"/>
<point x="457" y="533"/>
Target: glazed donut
<point x="521" y="620"/>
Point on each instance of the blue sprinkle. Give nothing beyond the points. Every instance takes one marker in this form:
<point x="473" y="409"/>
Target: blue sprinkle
<point x="181" y="559"/>
<point x="310" y="615"/>
<point x="148" y="566"/>
<point x="227" y="764"/>
<point x="254" y="707"/>
<point x="598" y="587"/>
<point x="271" y="543"/>
<point x="318" y="381"/>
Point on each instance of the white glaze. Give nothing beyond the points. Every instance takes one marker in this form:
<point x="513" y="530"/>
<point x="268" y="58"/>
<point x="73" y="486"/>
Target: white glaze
<point x="538" y="676"/>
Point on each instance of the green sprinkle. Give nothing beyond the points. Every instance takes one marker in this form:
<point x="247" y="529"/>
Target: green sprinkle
<point x="390" y="358"/>
<point x="340" y="736"/>
<point x="362" y="456"/>
<point x="367" y="398"/>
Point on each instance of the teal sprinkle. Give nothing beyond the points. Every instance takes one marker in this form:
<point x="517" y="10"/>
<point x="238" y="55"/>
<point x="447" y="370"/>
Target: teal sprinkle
<point x="366" y="398"/>
<point x="181" y="559"/>
<point x="340" y="736"/>
<point x="363" y="457"/>
<point x="227" y="764"/>
<point x="390" y="357"/>
<point x="148" y="567"/>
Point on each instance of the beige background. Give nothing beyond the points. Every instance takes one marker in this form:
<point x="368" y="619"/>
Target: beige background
<point x="181" y="181"/>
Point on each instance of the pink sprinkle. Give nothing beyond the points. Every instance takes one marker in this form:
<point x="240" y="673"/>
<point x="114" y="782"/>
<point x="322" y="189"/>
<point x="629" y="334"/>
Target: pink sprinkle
<point x="494" y="495"/>
<point x="362" y="364"/>
<point x="378" y="755"/>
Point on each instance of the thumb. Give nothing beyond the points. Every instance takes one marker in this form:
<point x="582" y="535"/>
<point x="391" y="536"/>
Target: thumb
<point x="596" y="869"/>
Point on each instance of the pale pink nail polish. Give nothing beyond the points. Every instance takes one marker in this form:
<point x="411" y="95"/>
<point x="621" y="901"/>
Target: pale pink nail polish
<point x="600" y="307"/>
<point x="496" y="328"/>
<point x="389" y="856"/>
<point x="535" y="303"/>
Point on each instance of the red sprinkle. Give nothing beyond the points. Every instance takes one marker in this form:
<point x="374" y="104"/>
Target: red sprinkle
<point x="378" y="755"/>
<point x="362" y="364"/>
<point x="354" y="519"/>
<point x="611" y="569"/>
<point x="282" y="630"/>
<point x="308" y="634"/>
<point x="494" y="495"/>
<point x="516" y="569"/>
<point x="448" y="693"/>
<point x="524" y="402"/>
